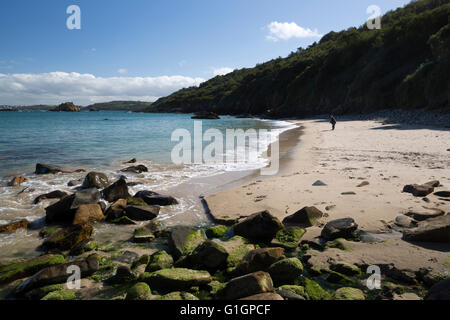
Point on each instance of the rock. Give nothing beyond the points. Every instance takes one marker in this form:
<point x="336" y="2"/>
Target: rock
<point x="58" y="274"/>
<point x="288" y="238"/>
<point x="419" y="190"/>
<point x="440" y="291"/>
<point x="347" y="293"/>
<point x="176" y="279"/>
<point x="183" y="240"/>
<point x="431" y="230"/>
<point x="259" y="226"/>
<point x="237" y="248"/>
<point x="286" y="271"/>
<point x="88" y="213"/>
<point x="346" y="269"/>
<point x="86" y="245"/>
<point x="142" y="213"/>
<point x="314" y="291"/>
<point x="159" y="260"/>
<point x="434" y="183"/>
<point x="95" y="180"/>
<point x="319" y="183"/>
<point x="14" y="226"/>
<point x="363" y="184"/>
<point x="140" y="291"/>
<point x="421" y="216"/>
<point x="206" y="116"/>
<point x="52" y="195"/>
<point x="153" y="198"/>
<point x="405" y="221"/>
<point x="132" y="201"/>
<point x="116" y="210"/>
<point x="178" y="296"/>
<point x="66" y="107"/>
<point x="443" y="194"/>
<point x="264" y="297"/>
<point x="143" y="235"/>
<point x="134" y="160"/>
<point x="123" y="275"/>
<point x="306" y="217"/>
<point x="209" y="255"/>
<point x="48" y="231"/>
<point x="61" y="295"/>
<point x="118" y="190"/>
<point x="23" y="269"/>
<point x="17" y="181"/>
<point x="291" y="292"/>
<point x="259" y="260"/>
<point x="68" y="238"/>
<point x="74" y="183"/>
<point x="123" y="221"/>
<point x="248" y="285"/>
<point x="64" y="210"/>
<point x="47" y="169"/>
<point x="136" y="169"/>
<point x="348" y="193"/>
<point x="408" y="296"/>
<point x="340" y="228"/>
<point x="217" y="232"/>
<point x="126" y="257"/>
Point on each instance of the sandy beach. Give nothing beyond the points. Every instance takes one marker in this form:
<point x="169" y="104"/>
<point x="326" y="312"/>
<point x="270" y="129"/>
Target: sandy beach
<point x="387" y="156"/>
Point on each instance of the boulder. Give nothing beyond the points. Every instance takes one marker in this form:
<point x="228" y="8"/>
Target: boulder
<point x="134" y="160"/>
<point x="340" y="228"/>
<point x="116" y="210"/>
<point x="153" y="198"/>
<point x="51" y="195"/>
<point x="23" y="269"/>
<point x="84" y="246"/>
<point x="88" y="213"/>
<point x="264" y="297"/>
<point x="68" y="238"/>
<point x="14" y="226"/>
<point x="313" y="291"/>
<point x="405" y="221"/>
<point x="176" y="279"/>
<point x="118" y="190"/>
<point x="123" y="275"/>
<point x="346" y="269"/>
<point x="177" y="296"/>
<point x="306" y="217"/>
<point x="216" y="232"/>
<point x="319" y="183"/>
<point x="59" y="274"/>
<point x="143" y="235"/>
<point x="140" y="291"/>
<point x="431" y="230"/>
<point x="440" y="291"/>
<point x="184" y="240"/>
<point x="64" y="210"/>
<point x="259" y="260"/>
<point x="348" y="293"/>
<point x="136" y="169"/>
<point x="142" y="213"/>
<point x="209" y="255"/>
<point x="424" y="215"/>
<point x="291" y="292"/>
<point x="159" y="260"/>
<point x="47" y="169"/>
<point x="248" y="285"/>
<point x="286" y="271"/>
<point x="17" y="181"/>
<point x="419" y="190"/>
<point x="96" y="180"/>
<point x="363" y="184"/>
<point x="237" y="248"/>
<point x="288" y="238"/>
<point x="259" y="226"/>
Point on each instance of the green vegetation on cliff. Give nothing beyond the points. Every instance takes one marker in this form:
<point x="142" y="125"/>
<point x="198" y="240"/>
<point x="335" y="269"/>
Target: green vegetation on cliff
<point x="405" y="64"/>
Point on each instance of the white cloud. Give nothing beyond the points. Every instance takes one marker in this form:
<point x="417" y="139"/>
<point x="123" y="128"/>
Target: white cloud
<point x="122" y="71"/>
<point x="84" y="89"/>
<point x="286" y="31"/>
<point x="222" y="71"/>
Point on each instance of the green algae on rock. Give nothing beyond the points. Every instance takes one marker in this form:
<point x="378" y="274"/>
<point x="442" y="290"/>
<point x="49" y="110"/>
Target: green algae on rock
<point x="348" y="293"/>
<point x="140" y="291"/>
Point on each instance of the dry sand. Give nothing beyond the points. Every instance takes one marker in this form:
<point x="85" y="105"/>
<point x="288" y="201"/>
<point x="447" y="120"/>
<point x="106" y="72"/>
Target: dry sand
<point x="387" y="156"/>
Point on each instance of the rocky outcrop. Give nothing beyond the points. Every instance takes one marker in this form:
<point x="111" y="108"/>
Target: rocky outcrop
<point x="95" y="180"/>
<point x="431" y="230"/>
<point x="259" y="226"/>
<point x="14" y="226"/>
<point x="66" y="107"/>
<point x="118" y="190"/>
<point x="153" y="198"/>
<point x="421" y="190"/>
<point x="306" y="217"/>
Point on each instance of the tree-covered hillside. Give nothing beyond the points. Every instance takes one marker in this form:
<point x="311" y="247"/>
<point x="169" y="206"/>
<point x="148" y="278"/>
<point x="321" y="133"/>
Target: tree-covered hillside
<point x="135" y="106"/>
<point x="405" y="64"/>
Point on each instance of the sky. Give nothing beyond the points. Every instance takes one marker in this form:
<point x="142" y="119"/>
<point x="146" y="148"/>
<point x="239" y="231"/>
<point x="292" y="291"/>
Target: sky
<point x="146" y="49"/>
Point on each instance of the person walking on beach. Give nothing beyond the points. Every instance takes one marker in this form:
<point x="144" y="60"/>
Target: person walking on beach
<point x="333" y="122"/>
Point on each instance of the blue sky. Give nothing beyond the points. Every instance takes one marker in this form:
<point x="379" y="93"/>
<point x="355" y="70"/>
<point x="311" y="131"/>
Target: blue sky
<point x="190" y="39"/>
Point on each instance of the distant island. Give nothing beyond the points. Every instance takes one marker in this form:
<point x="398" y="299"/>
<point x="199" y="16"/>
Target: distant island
<point x="133" y="106"/>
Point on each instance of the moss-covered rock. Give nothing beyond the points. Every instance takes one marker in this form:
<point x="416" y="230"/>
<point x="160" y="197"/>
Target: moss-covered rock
<point x="348" y="293"/>
<point x="123" y="221"/>
<point x="341" y="279"/>
<point x="184" y="240"/>
<point x="286" y="271"/>
<point x="132" y="201"/>
<point x="288" y="238"/>
<point x="173" y="296"/>
<point x="338" y="244"/>
<point x="237" y="248"/>
<point x="63" y="294"/>
<point x="175" y="279"/>
<point x="140" y="291"/>
<point x="259" y="260"/>
<point x="314" y="291"/>
<point x="143" y="235"/>
<point x="159" y="260"/>
<point x="48" y="231"/>
<point x="215" y="286"/>
<point x="68" y="238"/>
<point x="27" y="268"/>
<point x="216" y="232"/>
<point x="209" y="255"/>
<point x="298" y="290"/>
<point x="248" y="285"/>
<point x="142" y="260"/>
<point x="346" y="269"/>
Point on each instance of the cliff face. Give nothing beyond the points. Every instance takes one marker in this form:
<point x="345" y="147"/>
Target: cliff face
<point x="405" y="64"/>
